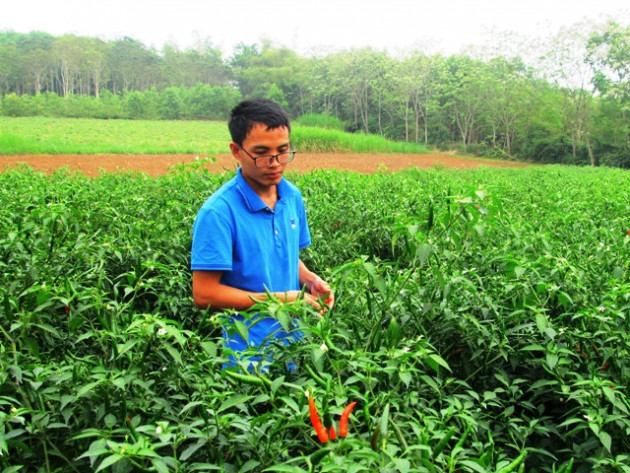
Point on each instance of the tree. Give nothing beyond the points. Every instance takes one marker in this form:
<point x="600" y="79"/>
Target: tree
<point x="609" y="55"/>
<point x="36" y="65"/>
<point x="202" y="65"/>
<point x="170" y="103"/>
<point x="361" y="71"/>
<point x="8" y="67"/>
<point x="94" y="64"/>
<point x="132" y="66"/>
<point x="421" y="82"/>
<point x="466" y="95"/>
<point x="508" y="85"/>
<point x="256" y="71"/>
<point x="318" y="89"/>
<point x="66" y="54"/>
<point x="564" y="65"/>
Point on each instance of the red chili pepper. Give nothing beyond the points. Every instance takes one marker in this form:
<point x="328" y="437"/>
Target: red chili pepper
<point x="331" y="433"/>
<point x="343" y="422"/>
<point x="320" y="430"/>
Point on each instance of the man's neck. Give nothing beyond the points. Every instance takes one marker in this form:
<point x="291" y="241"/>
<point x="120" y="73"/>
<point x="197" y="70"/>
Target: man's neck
<point x="268" y="194"/>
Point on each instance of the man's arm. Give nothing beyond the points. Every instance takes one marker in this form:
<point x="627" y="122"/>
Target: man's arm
<point x="209" y="292"/>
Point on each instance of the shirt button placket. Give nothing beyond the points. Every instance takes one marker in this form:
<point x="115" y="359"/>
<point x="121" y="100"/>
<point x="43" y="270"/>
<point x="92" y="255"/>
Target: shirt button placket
<point x="276" y="232"/>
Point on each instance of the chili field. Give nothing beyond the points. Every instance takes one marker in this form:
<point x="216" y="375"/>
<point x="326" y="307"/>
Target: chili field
<point x="481" y="325"/>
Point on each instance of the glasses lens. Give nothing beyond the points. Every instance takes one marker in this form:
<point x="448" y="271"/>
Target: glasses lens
<point x="286" y="157"/>
<point x="266" y="161"/>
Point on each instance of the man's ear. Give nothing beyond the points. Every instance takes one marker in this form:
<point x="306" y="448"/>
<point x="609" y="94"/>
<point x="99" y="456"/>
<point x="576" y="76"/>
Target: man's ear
<point x="235" y="149"/>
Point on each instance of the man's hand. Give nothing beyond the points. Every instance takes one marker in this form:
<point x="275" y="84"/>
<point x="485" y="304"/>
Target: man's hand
<point x="320" y="289"/>
<point x="292" y="296"/>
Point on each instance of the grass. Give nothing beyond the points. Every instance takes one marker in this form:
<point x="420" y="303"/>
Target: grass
<point x="42" y="135"/>
<point x="326" y="140"/>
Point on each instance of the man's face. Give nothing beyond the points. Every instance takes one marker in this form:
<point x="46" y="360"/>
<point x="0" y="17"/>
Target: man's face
<point x="262" y="142"/>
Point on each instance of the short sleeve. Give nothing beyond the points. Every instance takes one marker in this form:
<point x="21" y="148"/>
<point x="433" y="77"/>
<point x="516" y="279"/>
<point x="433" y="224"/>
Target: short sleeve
<point x="212" y="242"/>
<point x="305" y="234"/>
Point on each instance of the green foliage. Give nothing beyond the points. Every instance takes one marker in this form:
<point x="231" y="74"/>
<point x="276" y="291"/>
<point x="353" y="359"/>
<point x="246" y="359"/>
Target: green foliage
<point x="170" y="103"/>
<point x="142" y="105"/>
<point x="558" y="149"/>
<point x="14" y="106"/>
<point x="200" y="102"/>
<point x="313" y="139"/>
<point x="480" y="323"/>
<point x="317" y="120"/>
<point x="75" y="106"/>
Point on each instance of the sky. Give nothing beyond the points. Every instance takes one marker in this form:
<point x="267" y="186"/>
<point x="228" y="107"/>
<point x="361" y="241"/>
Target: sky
<point x="308" y="27"/>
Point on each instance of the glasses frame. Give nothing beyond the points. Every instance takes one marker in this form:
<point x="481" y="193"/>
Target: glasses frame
<point x="271" y="157"/>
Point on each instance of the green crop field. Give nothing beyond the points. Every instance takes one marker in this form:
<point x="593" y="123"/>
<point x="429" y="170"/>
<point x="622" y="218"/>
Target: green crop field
<point x="41" y="135"/>
<point x="481" y="325"/>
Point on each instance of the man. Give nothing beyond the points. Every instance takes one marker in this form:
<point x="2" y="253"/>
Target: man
<point x="247" y="235"/>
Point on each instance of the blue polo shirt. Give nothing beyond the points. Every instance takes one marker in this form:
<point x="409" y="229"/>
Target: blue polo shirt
<point x="255" y="247"/>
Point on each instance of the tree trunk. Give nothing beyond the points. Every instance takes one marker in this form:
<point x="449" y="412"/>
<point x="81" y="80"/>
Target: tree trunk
<point x="64" y="75"/>
<point x="590" y="150"/>
<point x="38" y="84"/>
<point x="508" y="140"/>
<point x="380" y="125"/>
<point x="426" y="122"/>
<point x="407" y="121"/>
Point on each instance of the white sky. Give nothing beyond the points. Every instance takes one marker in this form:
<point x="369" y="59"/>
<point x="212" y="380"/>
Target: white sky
<point x="307" y="27"/>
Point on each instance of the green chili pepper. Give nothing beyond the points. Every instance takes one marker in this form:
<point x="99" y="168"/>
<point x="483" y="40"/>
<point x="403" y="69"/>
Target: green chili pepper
<point x="442" y="443"/>
<point x="248" y="378"/>
<point x="512" y="466"/>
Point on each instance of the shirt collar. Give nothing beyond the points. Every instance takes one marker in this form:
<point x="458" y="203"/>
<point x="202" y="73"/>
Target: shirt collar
<point x="253" y="201"/>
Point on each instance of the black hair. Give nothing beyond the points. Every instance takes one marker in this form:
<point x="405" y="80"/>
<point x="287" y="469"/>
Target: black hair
<point x="250" y="112"/>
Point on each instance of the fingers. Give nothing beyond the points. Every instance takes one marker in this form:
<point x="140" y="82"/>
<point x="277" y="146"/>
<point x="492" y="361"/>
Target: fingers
<point x="330" y="299"/>
<point x="319" y="287"/>
<point x="323" y="286"/>
<point x="314" y="302"/>
<point x="321" y="290"/>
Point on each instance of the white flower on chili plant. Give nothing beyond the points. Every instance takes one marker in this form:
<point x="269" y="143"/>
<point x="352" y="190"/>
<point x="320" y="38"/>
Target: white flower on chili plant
<point x="161" y="332"/>
<point x="323" y="347"/>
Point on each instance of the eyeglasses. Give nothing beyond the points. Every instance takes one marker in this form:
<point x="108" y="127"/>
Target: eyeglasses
<point x="266" y="161"/>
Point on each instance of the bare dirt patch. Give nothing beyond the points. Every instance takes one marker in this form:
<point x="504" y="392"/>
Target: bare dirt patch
<point x="158" y="164"/>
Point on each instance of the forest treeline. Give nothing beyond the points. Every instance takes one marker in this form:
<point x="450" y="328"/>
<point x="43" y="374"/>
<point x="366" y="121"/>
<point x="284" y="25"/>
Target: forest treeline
<point x="571" y="105"/>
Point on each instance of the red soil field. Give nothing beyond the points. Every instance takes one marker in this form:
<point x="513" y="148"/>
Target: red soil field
<point x="157" y="164"/>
